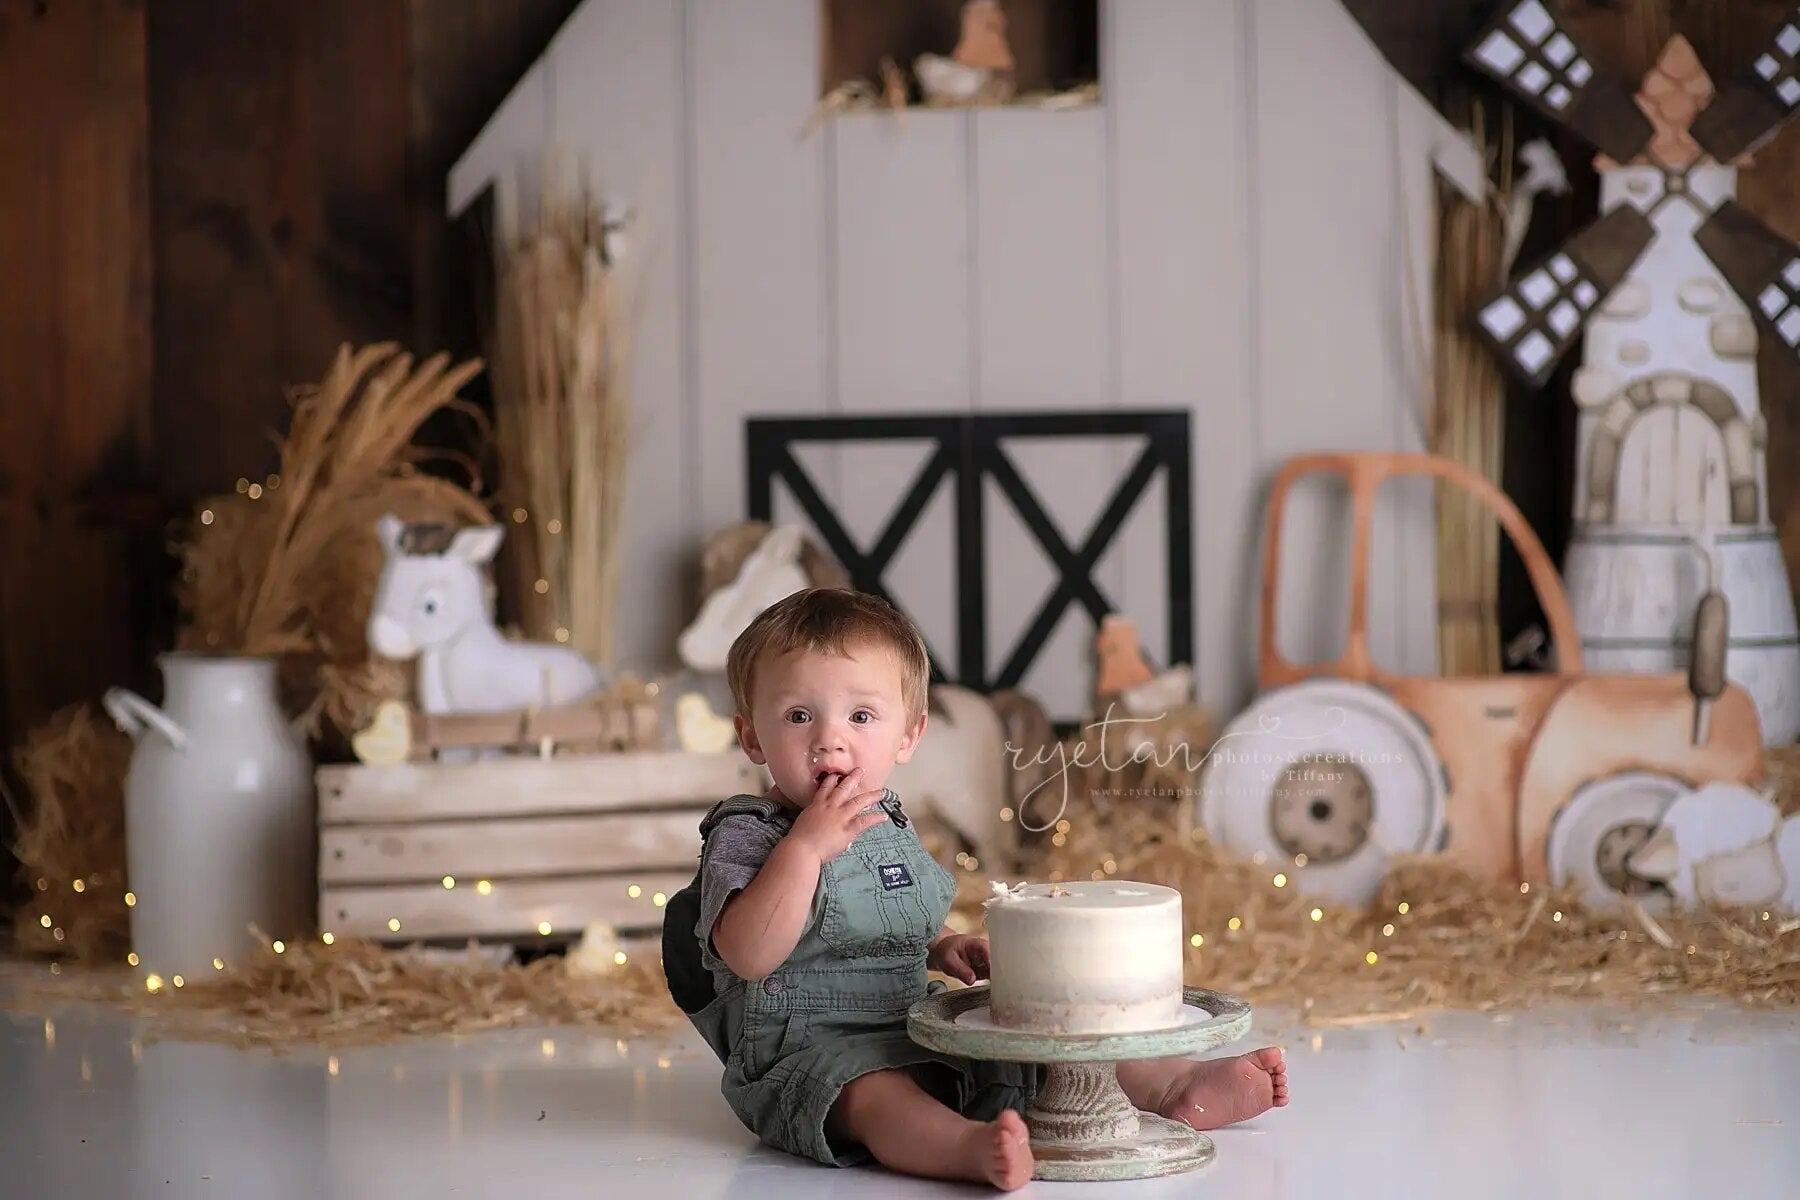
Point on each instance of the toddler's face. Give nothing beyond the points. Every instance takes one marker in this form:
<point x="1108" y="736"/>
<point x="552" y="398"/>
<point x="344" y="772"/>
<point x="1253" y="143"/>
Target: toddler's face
<point x="814" y="715"/>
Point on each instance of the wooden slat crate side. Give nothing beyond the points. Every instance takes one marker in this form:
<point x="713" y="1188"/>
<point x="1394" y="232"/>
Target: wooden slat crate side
<point x="468" y="851"/>
<point x="493" y="787"/>
<point x="513" y="909"/>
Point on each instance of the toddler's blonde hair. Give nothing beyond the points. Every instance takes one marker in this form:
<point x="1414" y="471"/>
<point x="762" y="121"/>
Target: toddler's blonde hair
<point x="829" y="621"/>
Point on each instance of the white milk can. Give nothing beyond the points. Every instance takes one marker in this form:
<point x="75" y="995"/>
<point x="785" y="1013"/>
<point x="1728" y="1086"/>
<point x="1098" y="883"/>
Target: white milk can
<point x="219" y="827"/>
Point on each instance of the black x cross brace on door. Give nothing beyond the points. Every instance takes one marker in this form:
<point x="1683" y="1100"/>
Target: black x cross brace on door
<point x="964" y="450"/>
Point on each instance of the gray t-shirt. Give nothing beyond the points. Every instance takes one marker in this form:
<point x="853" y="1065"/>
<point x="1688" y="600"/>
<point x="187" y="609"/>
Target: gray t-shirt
<point x="733" y="853"/>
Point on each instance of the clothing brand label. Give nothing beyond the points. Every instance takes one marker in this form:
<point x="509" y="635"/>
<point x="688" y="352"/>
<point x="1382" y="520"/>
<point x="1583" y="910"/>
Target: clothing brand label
<point x="895" y="875"/>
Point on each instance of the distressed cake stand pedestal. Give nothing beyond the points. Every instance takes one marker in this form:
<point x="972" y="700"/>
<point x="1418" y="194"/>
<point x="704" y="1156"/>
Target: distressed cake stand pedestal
<point x="1082" y="1124"/>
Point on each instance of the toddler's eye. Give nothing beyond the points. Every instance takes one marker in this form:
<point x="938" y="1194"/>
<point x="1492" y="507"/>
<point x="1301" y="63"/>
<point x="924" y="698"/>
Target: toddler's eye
<point x="862" y="716"/>
<point x="796" y="717"/>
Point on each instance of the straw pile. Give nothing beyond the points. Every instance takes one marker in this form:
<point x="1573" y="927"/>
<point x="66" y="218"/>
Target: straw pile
<point x="1435" y="938"/>
<point x="358" y="993"/>
<point x="71" y="840"/>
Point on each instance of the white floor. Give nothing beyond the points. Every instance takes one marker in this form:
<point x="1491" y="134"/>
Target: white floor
<point x="1566" y="1102"/>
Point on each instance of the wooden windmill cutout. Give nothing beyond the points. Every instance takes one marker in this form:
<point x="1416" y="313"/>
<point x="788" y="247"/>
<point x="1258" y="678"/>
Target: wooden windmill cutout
<point x="1671" y="435"/>
<point x="1534" y="321"/>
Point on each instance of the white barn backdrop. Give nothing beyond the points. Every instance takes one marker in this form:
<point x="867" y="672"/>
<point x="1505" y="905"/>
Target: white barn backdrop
<point x="1240" y="228"/>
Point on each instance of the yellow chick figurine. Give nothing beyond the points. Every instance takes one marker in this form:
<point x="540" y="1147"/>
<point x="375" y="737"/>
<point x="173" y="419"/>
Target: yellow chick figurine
<point x="387" y="741"/>
<point x="701" y="729"/>
<point x="595" y="954"/>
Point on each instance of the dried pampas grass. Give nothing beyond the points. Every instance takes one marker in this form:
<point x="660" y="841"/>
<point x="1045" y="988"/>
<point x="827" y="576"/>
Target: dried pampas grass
<point x="288" y="568"/>
<point x="70" y="842"/>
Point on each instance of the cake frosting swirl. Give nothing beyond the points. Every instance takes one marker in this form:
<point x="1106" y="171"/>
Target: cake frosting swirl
<point x="1085" y="957"/>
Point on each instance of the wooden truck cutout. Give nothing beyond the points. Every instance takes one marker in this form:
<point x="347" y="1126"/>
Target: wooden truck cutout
<point x="1559" y="777"/>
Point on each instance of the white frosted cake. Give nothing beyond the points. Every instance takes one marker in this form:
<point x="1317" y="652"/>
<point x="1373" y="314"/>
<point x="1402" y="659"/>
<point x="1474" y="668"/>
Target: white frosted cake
<point x="1085" y="957"/>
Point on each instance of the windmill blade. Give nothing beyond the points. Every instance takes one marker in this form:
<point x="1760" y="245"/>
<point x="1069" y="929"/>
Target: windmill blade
<point x="1762" y="267"/>
<point x="1527" y="51"/>
<point x="1753" y="106"/>
<point x="1532" y="324"/>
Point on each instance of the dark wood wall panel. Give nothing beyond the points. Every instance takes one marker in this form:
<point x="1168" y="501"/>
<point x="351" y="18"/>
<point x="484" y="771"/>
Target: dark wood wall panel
<point x="200" y="201"/>
<point x="279" y="188"/>
<point x="75" y="351"/>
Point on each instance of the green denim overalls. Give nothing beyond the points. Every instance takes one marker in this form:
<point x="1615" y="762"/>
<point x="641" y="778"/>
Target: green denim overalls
<point x="836" y="1009"/>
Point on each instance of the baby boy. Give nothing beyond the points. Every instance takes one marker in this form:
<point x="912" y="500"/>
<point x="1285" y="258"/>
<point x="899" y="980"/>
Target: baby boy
<point x="819" y="914"/>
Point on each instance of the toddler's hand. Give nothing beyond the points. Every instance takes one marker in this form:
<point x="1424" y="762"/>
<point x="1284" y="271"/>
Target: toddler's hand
<point x="835" y="817"/>
<point x="961" y="956"/>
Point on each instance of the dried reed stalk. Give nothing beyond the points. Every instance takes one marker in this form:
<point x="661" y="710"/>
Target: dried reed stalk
<point x="290" y="569"/>
<point x="1467" y="426"/>
<point x="562" y="360"/>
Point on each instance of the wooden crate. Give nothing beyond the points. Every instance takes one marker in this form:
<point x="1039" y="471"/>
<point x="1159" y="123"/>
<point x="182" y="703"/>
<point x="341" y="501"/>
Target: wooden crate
<point x="501" y="848"/>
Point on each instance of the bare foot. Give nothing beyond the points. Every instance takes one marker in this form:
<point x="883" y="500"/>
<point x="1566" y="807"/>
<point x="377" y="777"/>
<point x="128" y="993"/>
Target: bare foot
<point x="1000" y="1151"/>
<point x="1224" y="1091"/>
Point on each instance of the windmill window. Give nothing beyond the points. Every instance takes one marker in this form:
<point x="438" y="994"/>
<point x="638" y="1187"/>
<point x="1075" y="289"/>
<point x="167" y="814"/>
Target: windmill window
<point x="1773" y="300"/>
<point x="1537" y="289"/>
<point x="1766" y="66"/>
<point x="1534" y="78"/>
<point x="1503" y="318"/>
<point x="1585" y="294"/>
<point x="1789" y="91"/>
<point x="1789" y="41"/>
<point x="1564" y="318"/>
<point x="1790" y="326"/>
<point x="1562" y="268"/>
<point x="1535" y="350"/>
<point x="1558" y="96"/>
<point x="1531" y="20"/>
<point x="1560" y="50"/>
<point x="1581" y="72"/>
<point x="1500" y="53"/>
<point x="1792" y="274"/>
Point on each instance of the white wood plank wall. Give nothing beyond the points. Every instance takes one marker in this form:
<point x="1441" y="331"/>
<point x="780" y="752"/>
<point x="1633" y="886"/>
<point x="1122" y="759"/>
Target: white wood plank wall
<point x="1229" y="231"/>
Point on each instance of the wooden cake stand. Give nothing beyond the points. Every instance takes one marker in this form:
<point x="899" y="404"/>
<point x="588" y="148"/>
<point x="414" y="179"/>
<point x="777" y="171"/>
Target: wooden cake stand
<point x="1082" y="1125"/>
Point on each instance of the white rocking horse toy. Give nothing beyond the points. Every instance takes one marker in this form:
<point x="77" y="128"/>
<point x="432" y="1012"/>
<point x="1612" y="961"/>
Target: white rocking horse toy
<point x="431" y="604"/>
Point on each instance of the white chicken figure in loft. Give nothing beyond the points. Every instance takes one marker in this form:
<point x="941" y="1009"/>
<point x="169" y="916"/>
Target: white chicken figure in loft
<point x="979" y="69"/>
<point x="431" y="604"/>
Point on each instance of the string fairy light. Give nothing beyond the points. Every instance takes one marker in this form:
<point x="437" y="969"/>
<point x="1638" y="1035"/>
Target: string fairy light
<point x="1197" y="941"/>
<point x="1235" y="924"/>
<point x="619" y="958"/>
<point x="279" y="946"/>
<point x="45" y="921"/>
<point x="80" y="885"/>
<point x="153" y="984"/>
<point x="634" y="891"/>
<point x="1403" y="908"/>
<point x="449" y="882"/>
<point x="483" y="886"/>
<point x="394" y="924"/>
<point x="132" y="958"/>
<point x="130" y="899"/>
<point x="328" y="937"/>
<point x="1280" y="880"/>
<point x="543" y="929"/>
<point x="1371" y="958"/>
<point x="1387" y="930"/>
<point x="1317" y="914"/>
<point x="659" y="899"/>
